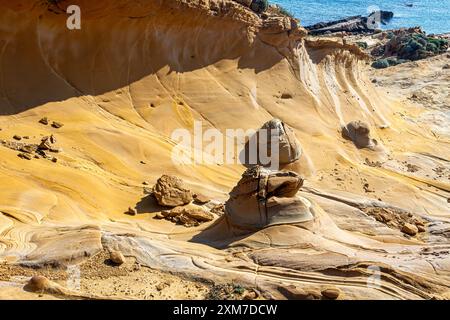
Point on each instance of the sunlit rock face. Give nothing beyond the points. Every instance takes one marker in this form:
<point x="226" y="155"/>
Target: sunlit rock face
<point x="263" y="198"/>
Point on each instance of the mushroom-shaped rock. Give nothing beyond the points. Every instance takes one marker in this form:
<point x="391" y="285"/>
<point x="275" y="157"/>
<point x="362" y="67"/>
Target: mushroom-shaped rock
<point x="359" y="132"/>
<point x="263" y="198"/>
<point x="169" y="191"/>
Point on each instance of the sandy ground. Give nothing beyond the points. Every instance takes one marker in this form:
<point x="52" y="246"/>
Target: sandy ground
<point x="124" y="82"/>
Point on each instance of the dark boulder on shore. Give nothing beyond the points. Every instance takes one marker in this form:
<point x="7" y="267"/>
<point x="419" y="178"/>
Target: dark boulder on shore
<point x="382" y="16"/>
<point x="355" y="24"/>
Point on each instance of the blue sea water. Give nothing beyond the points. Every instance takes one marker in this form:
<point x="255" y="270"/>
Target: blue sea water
<point x="432" y="15"/>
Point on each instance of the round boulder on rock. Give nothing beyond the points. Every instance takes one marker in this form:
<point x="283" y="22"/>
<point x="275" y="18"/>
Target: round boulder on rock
<point x="289" y="149"/>
<point x="170" y="192"/>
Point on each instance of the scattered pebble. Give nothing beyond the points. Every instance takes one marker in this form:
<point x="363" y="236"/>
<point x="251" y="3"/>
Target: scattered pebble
<point x="57" y="125"/>
<point x="331" y="293"/>
<point x="117" y="257"/>
<point x="410" y="229"/>
<point x="159" y="216"/>
<point x="44" y="121"/>
<point x="25" y="156"/>
<point x="131" y="211"/>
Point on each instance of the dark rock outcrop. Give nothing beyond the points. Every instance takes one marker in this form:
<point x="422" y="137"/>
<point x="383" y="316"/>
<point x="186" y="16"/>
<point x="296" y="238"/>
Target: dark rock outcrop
<point x="354" y="24"/>
<point x="257" y="6"/>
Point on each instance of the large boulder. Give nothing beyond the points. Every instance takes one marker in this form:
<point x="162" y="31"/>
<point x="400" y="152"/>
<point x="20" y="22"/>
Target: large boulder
<point x="263" y="198"/>
<point x="359" y="132"/>
<point x="170" y="192"/>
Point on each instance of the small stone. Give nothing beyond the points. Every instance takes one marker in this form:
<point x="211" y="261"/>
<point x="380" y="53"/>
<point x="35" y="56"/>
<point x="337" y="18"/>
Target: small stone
<point x="446" y="66"/>
<point x="161" y="286"/>
<point x="26" y="137"/>
<point x="201" y="199"/>
<point x="45" y="145"/>
<point x="410" y="229"/>
<point x="188" y="221"/>
<point x="25" y="156"/>
<point x="331" y="293"/>
<point x="421" y="228"/>
<point x="38" y="284"/>
<point x="291" y="292"/>
<point x="142" y="162"/>
<point x="198" y="214"/>
<point x="117" y="257"/>
<point x="131" y="211"/>
<point x="250" y="295"/>
<point x="44" y="121"/>
<point x="27" y="149"/>
<point x="145" y="183"/>
<point x="17" y="137"/>
<point x="137" y="267"/>
<point x="159" y="216"/>
<point x="54" y="160"/>
<point x="165" y="213"/>
<point x="57" y="125"/>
